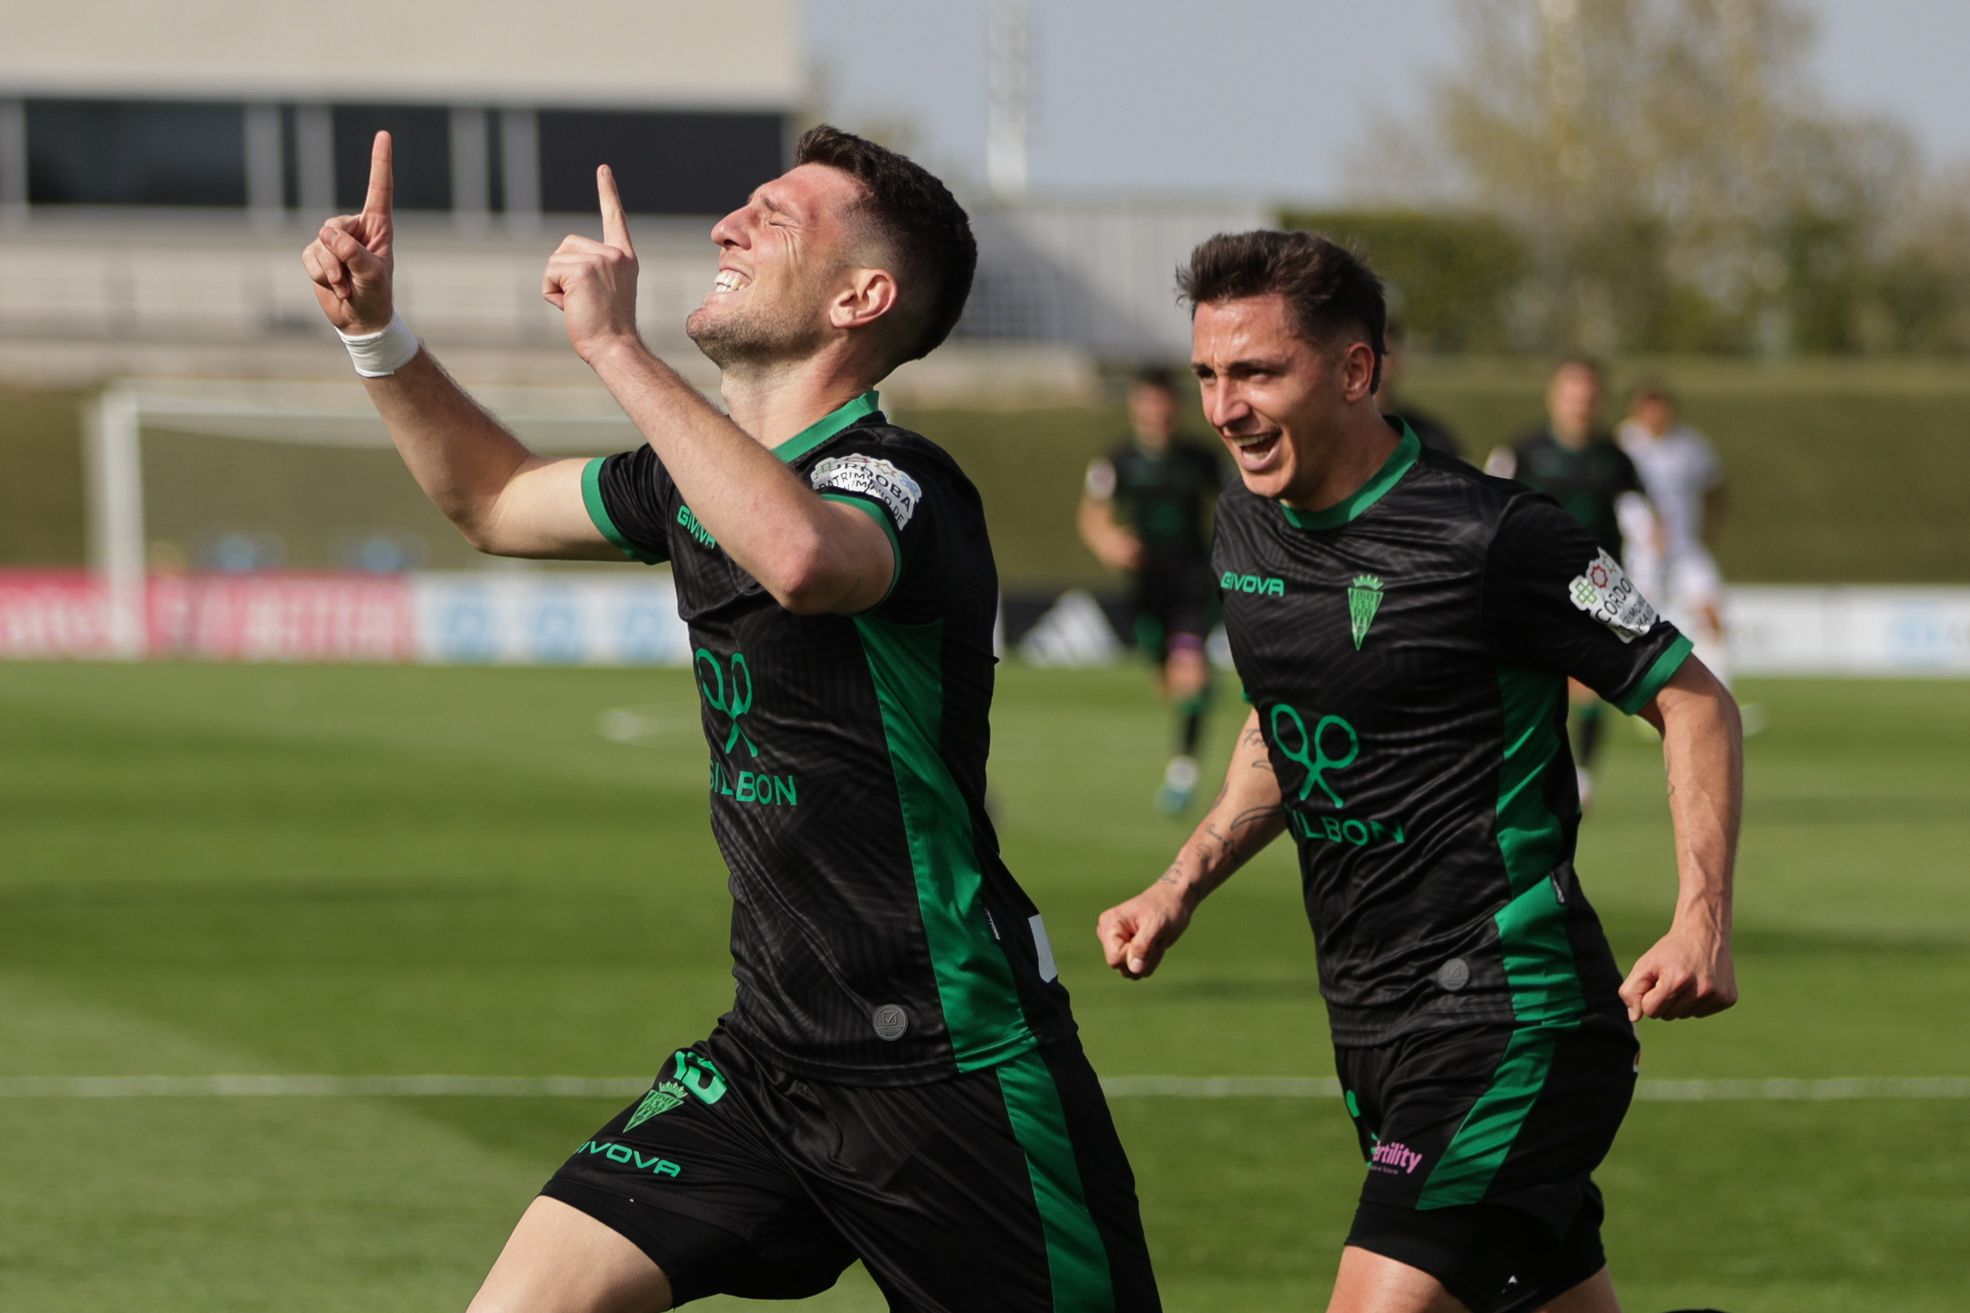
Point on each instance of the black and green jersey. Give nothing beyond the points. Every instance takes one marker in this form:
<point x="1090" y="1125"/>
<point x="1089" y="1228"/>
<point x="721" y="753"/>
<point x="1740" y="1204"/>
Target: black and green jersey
<point x="876" y="936"/>
<point x="1163" y="497"/>
<point x="1588" y="481"/>
<point x="1407" y="652"/>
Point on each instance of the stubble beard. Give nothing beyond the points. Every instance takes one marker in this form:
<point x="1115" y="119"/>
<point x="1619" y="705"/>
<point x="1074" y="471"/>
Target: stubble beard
<point x="749" y="341"/>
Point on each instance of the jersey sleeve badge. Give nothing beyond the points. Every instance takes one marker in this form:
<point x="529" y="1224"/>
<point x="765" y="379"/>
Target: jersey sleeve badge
<point x="870" y="476"/>
<point x="1604" y="592"/>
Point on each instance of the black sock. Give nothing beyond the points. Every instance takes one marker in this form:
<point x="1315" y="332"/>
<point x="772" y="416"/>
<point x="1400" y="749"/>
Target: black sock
<point x="1190" y="713"/>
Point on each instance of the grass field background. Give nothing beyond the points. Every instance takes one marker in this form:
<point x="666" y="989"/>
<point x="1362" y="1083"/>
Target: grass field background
<point x="348" y="871"/>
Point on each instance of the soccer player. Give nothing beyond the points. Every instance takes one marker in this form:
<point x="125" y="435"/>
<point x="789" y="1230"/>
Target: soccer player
<point x="1145" y="510"/>
<point x="898" y="1080"/>
<point x="1685" y="483"/>
<point x="1577" y="463"/>
<point x="1406" y="648"/>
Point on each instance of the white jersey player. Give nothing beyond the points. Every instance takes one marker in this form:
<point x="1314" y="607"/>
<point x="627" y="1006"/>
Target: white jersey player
<point x="1685" y="482"/>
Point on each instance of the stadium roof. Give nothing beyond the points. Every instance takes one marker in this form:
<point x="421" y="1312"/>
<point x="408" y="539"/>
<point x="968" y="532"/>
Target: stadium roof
<point x="642" y="53"/>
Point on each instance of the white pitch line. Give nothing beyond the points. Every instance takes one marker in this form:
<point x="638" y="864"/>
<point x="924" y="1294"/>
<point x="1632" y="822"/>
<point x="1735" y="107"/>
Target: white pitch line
<point x="1779" y="1090"/>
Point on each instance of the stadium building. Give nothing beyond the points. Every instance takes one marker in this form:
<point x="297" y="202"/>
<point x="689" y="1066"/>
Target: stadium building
<point x="159" y="176"/>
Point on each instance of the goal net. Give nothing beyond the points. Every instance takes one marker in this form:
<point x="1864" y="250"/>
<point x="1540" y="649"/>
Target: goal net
<point x="276" y="520"/>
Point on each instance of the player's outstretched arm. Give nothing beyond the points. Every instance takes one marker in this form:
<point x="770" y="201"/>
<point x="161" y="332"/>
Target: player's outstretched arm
<point x="1688" y="973"/>
<point x="813" y="556"/>
<point x="502" y="497"/>
<point x="1247" y="815"/>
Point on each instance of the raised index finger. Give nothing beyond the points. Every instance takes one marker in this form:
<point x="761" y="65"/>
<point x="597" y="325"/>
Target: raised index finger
<point x="615" y="227"/>
<point x="382" y="184"/>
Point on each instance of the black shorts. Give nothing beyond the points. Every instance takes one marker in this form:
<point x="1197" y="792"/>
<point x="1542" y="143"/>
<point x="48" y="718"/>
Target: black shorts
<point x="1480" y="1144"/>
<point x="1171" y="605"/>
<point x="1001" y="1189"/>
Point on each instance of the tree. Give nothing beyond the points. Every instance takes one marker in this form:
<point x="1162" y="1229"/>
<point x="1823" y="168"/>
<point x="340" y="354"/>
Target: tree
<point x="1671" y="164"/>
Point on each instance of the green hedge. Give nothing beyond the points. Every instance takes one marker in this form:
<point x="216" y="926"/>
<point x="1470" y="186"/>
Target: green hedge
<point x="1840" y="471"/>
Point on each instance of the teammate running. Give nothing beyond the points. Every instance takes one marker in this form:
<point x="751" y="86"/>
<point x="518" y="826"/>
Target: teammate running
<point x="1577" y="463"/>
<point x="1685" y="483"/>
<point x="1406" y="655"/>
<point x="1163" y="486"/>
<point x="898" y="1080"/>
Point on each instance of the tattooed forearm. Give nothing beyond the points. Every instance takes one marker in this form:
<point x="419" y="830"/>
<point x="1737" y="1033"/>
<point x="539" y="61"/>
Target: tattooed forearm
<point x="1246" y="816"/>
<point x="1255" y="816"/>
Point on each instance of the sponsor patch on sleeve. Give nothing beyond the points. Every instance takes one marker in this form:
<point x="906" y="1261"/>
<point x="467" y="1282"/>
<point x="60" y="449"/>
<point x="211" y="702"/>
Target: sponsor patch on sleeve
<point x="1607" y="594"/>
<point x="871" y="476"/>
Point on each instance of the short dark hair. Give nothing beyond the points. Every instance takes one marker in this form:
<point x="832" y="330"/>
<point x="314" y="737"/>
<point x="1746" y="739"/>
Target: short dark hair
<point x="1328" y="288"/>
<point x="1154" y="376"/>
<point x="917" y="218"/>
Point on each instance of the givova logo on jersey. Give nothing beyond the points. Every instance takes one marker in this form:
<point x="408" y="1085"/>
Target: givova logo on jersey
<point x="727" y="689"/>
<point x="1608" y="595"/>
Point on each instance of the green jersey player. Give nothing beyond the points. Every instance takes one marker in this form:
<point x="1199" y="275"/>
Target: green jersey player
<point x="898" y="1080"/>
<point x="1404" y="627"/>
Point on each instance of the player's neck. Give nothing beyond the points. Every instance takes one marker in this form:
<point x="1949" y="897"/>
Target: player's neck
<point x="1360" y="449"/>
<point x="774" y="401"/>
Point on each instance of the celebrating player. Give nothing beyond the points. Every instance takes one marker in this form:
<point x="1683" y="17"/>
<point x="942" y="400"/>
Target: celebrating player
<point x="1577" y="463"/>
<point x="1163" y="486"/>
<point x="898" y="1079"/>
<point x="1406" y="655"/>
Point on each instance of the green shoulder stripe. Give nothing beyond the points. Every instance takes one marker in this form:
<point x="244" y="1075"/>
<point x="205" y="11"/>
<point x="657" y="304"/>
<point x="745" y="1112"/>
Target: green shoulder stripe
<point x="591" y="497"/>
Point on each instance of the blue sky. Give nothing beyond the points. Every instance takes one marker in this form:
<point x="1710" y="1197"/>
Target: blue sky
<point x="1264" y="97"/>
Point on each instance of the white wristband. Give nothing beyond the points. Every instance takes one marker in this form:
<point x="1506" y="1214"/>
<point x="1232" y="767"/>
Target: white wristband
<point x="379" y="355"/>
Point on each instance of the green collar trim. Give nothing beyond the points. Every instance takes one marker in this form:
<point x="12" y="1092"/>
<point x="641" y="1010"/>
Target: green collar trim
<point x="1351" y="507"/>
<point x="827" y="426"/>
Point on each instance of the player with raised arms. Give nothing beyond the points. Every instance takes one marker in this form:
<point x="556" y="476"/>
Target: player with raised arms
<point x="1407" y="663"/>
<point x="898" y="1080"/>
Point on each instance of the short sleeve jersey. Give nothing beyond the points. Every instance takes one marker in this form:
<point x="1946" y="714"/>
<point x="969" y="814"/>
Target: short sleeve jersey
<point x="877" y="937"/>
<point x="1164" y="497"/>
<point x="1407" y="652"/>
<point x="1587" y="481"/>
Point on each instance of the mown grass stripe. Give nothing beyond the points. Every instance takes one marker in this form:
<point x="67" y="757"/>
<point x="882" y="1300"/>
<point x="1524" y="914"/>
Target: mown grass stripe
<point x="1776" y="1089"/>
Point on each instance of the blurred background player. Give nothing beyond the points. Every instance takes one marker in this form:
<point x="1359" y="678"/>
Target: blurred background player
<point x="1146" y="511"/>
<point x="1577" y="463"/>
<point x="1395" y="365"/>
<point x="1684" y="481"/>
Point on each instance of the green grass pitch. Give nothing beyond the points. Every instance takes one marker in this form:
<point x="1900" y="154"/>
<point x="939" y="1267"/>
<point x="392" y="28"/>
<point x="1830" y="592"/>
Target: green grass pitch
<point x="401" y="871"/>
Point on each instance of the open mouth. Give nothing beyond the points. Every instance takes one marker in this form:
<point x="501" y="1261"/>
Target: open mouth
<point x="1255" y="452"/>
<point x="729" y="281"/>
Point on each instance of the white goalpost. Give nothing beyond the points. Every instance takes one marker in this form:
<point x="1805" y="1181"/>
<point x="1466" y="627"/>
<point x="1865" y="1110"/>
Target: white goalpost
<point x="220" y="482"/>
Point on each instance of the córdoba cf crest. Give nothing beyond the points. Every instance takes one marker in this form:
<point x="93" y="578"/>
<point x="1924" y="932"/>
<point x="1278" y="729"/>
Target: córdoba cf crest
<point x="1364" y="599"/>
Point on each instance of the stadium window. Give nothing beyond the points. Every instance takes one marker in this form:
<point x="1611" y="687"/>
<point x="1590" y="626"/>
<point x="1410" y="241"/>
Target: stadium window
<point x="496" y="162"/>
<point x="665" y="163"/>
<point x="136" y="152"/>
<point x="420" y="139"/>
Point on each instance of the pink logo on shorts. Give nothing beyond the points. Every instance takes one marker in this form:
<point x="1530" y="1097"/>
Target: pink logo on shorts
<point x="1393" y="1157"/>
